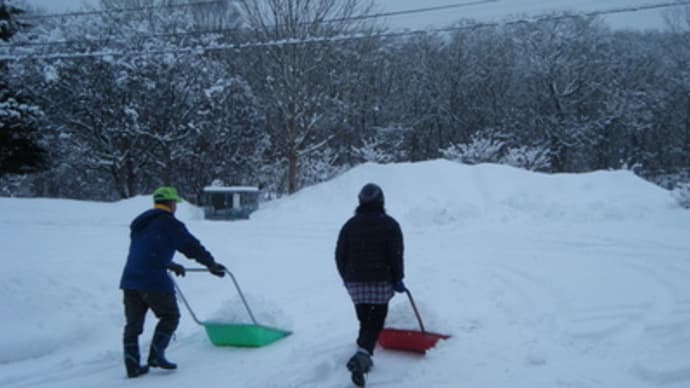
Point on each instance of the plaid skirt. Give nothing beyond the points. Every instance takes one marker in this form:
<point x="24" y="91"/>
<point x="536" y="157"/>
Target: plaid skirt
<point x="370" y="292"/>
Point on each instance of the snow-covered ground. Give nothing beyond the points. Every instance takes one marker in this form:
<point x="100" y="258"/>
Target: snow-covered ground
<point x="542" y="280"/>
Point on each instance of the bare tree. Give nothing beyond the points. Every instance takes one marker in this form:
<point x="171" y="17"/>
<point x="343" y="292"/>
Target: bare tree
<point x="562" y="60"/>
<point x="677" y="18"/>
<point x="298" y="67"/>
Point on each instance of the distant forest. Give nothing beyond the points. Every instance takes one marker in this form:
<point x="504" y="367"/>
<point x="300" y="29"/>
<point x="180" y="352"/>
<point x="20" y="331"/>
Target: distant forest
<point x="109" y="104"/>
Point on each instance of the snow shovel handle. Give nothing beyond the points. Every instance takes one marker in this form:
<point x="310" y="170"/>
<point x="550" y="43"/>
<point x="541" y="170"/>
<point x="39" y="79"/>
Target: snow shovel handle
<point x="416" y="312"/>
<point x="237" y="286"/>
<point x="186" y="304"/>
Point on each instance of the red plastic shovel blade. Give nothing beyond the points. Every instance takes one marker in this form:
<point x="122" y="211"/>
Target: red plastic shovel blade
<point x="409" y="340"/>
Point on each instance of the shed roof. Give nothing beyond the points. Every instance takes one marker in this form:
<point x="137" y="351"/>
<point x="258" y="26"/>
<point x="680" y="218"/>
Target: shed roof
<point x="228" y="189"/>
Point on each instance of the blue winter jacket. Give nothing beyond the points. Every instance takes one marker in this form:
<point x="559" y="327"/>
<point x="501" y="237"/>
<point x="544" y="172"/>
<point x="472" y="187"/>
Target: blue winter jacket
<point x="155" y="236"/>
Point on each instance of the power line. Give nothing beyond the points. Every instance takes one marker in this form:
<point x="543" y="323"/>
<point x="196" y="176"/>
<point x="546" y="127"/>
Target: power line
<point x="416" y="10"/>
<point x="191" y="4"/>
<point x="240" y="46"/>
<point x="121" y="10"/>
<point x="237" y="29"/>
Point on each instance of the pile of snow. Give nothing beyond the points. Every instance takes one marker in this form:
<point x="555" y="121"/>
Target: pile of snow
<point x="455" y="193"/>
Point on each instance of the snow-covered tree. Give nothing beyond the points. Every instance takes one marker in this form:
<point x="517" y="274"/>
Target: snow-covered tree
<point x="319" y="166"/>
<point x="534" y="158"/>
<point x="481" y="149"/>
<point x="20" y="119"/>
<point x="231" y="144"/>
<point x="300" y="77"/>
<point x="145" y="119"/>
<point x="20" y="149"/>
<point x="418" y="98"/>
<point x="563" y="64"/>
<point x="682" y="194"/>
<point x="301" y="103"/>
<point x="372" y="150"/>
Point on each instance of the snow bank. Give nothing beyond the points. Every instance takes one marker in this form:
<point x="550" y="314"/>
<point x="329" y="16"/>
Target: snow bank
<point x="441" y="192"/>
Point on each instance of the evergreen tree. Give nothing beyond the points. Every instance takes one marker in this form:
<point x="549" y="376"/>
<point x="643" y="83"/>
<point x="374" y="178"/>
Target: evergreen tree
<point x="19" y="118"/>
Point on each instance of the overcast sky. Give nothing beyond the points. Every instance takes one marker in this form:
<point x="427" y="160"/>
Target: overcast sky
<point x="490" y="11"/>
<point x="54" y="6"/>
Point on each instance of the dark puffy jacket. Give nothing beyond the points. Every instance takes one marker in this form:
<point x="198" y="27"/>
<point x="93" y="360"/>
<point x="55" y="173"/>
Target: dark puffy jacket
<point x="155" y="236"/>
<point x="370" y="247"/>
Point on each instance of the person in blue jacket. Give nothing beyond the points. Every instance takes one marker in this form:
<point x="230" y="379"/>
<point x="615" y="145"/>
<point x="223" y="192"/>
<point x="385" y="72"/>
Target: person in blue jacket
<point x="155" y="236"/>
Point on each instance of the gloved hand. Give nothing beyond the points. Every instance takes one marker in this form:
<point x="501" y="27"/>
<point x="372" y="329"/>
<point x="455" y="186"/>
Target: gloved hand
<point x="217" y="269"/>
<point x="399" y="286"/>
<point x="177" y="269"/>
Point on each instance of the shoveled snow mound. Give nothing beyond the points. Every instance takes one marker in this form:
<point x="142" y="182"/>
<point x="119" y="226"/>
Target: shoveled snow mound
<point x="443" y="192"/>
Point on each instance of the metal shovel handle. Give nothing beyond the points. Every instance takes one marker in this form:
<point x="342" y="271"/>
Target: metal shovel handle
<point x="416" y="312"/>
<point x="186" y="304"/>
<point x="234" y="281"/>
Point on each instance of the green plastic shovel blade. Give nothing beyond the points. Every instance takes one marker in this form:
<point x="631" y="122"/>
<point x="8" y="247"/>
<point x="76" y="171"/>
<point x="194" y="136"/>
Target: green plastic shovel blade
<point x="242" y="335"/>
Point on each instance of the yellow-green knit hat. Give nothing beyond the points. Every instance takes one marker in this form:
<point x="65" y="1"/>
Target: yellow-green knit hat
<point x="165" y="194"/>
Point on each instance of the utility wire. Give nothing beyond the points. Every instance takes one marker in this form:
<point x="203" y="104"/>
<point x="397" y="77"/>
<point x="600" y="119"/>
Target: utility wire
<point x="237" y="29"/>
<point x="147" y="8"/>
<point x="342" y="38"/>
<point x="121" y="10"/>
<point x="415" y="10"/>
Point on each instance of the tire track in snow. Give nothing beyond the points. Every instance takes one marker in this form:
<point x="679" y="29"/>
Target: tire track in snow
<point x="533" y="288"/>
<point x="650" y="331"/>
<point x="599" y="322"/>
<point x="658" y="330"/>
<point x="666" y="335"/>
<point x="533" y="306"/>
<point x="594" y="324"/>
<point x="66" y="370"/>
<point x="623" y="322"/>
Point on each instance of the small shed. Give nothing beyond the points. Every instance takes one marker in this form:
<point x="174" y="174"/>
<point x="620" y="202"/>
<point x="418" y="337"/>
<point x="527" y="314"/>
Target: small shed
<point x="230" y="202"/>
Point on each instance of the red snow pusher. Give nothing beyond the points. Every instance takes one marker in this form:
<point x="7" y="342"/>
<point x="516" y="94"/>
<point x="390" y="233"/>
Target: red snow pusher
<point x="410" y="340"/>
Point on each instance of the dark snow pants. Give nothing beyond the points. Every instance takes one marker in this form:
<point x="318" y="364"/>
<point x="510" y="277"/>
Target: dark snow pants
<point x="371" y="319"/>
<point x="163" y="305"/>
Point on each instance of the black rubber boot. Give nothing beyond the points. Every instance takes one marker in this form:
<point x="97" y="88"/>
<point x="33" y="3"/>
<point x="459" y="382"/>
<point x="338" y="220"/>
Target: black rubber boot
<point x="157" y="352"/>
<point x="358" y="365"/>
<point x="132" y="359"/>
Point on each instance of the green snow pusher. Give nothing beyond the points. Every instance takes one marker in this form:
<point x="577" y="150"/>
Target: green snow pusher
<point x="235" y="334"/>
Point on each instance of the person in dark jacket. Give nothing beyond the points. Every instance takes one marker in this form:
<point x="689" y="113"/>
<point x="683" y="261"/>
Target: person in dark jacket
<point x="155" y="236"/>
<point x="369" y="257"/>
